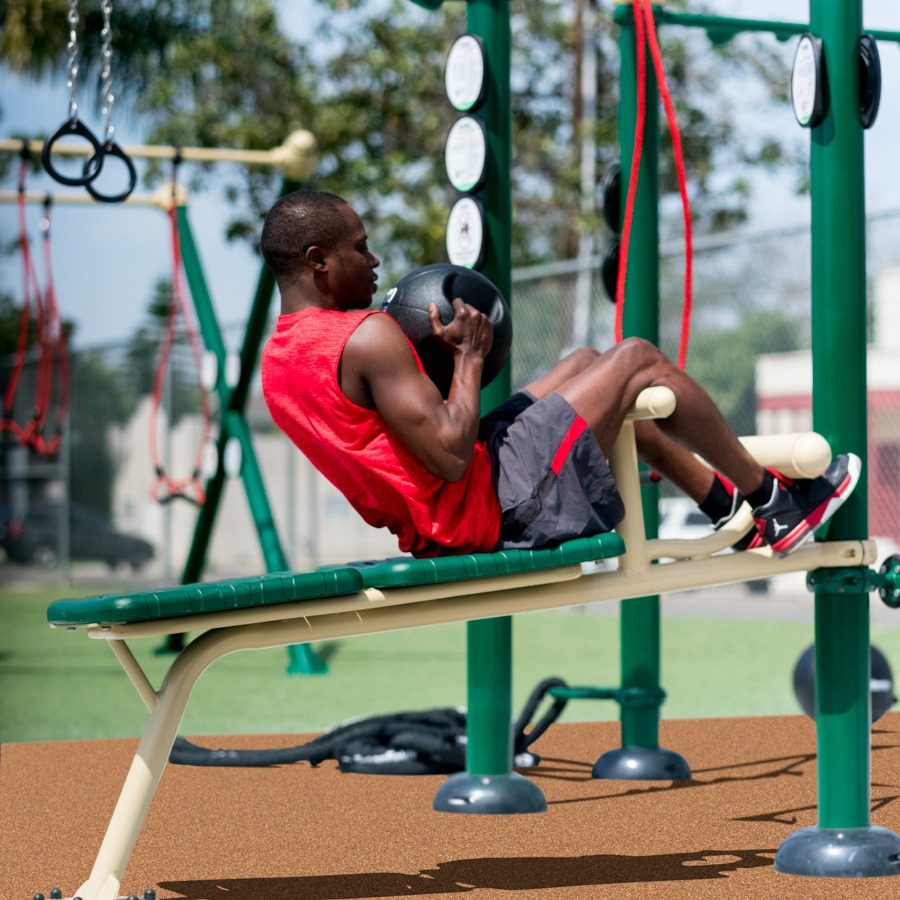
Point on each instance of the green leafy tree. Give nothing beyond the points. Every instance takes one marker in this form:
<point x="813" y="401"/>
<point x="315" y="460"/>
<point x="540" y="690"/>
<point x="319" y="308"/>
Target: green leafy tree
<point x="370" y="87"/>
<point x="724" y="361"/>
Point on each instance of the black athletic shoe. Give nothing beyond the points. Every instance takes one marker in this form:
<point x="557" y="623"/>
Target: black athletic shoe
<point x="797" y="508"/>
<point x="752" y="538"/>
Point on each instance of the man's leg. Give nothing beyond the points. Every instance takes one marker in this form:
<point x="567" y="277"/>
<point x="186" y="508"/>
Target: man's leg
<point x="786" y="512"/>
<point x="673" y="461"/>
<point x="605" y="390"/>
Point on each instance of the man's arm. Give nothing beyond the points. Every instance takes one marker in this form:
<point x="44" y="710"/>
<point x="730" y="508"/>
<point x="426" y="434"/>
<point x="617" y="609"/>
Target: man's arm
<point x="378" y="370"/>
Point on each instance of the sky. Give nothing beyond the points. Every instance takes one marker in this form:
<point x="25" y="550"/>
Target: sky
<point x="107" y="258"/>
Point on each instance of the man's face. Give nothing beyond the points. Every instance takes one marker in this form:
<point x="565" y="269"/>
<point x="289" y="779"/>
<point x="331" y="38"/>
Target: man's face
<point x="351" y="266"/>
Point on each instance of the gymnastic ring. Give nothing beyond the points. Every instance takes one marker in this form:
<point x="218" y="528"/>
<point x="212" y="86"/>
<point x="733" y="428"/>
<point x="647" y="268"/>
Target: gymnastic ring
<point x="94" y="163"/>
<point x="111" y="148"/>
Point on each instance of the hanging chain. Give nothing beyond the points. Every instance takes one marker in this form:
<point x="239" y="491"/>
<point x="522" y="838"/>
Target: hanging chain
<point x="106" y="73"/>
<point x="72" y="54"/>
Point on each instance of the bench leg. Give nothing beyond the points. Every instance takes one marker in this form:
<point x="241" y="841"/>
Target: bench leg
<point x="134" y="801"/>
<point x="147" y="767"/>
<point x="640" y="757"/>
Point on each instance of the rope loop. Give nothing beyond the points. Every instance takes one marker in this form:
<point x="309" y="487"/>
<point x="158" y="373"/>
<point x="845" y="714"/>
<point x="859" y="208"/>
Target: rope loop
<point x="165" y="488"/>
<point x="645" y="35"/>
<point x="50" y="334"/>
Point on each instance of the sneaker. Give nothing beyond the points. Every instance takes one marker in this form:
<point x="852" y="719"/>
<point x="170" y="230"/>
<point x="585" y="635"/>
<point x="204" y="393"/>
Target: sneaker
<point x="752" y="538"/>
<point x="797" y="508"/>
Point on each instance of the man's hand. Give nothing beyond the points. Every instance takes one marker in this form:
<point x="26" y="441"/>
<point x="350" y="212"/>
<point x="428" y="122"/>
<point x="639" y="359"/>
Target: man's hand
<point x="379" y="371"/>
<point x="470" y="330"/>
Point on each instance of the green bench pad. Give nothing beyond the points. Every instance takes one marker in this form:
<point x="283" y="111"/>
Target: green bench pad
<point x="331" y="581"/>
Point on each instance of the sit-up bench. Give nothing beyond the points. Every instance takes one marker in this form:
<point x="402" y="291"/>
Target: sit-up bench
<point x="344" y="601"/>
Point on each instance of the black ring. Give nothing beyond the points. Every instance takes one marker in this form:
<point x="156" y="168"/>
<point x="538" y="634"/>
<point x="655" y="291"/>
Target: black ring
<point x="110" y="148"/>
<point x="74" y="127"/>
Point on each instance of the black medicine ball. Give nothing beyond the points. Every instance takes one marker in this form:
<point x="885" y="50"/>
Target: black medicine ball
<point x="881" y="682"/>
<point x="442" y="283"/>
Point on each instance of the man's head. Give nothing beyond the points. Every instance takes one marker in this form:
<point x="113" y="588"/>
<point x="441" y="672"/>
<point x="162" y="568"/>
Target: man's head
<point x="316" y="238"/>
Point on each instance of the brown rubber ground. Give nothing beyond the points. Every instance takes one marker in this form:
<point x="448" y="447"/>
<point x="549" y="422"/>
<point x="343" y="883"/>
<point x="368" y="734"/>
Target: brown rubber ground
<point x="317" y="834"/>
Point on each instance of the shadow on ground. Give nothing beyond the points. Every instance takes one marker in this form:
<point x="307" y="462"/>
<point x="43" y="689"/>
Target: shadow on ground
<point x="464" y="875"/>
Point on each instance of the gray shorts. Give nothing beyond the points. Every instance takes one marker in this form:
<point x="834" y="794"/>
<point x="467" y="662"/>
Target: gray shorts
<point x="551" y="477"/>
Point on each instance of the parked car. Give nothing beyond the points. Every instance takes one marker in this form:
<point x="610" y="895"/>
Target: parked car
<point x="679" y="517"/>
<point x="35" y="540"/>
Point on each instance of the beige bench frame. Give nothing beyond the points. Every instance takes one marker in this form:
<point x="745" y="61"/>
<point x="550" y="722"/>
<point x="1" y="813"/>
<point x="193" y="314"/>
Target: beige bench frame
<point x="647" y="568"/>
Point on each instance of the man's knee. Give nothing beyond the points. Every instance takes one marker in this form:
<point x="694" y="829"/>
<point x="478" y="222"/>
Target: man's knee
<point x="638" y="354"/>
<point x="581" y="358"/>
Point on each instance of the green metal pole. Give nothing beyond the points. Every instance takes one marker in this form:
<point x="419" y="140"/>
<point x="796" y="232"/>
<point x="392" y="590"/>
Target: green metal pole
<point x="640" y="757"/>
<point x="233" y="401"/>
<point x="844" y="844"/>
<point x="640" y="618"/>
<point x="839" y="411"/>
<point x="488" y="785"/>
<point x="490" y="640"/>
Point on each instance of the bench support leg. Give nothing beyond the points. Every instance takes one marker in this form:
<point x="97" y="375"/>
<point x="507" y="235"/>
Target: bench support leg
<point x="147" y="767"/>
<point x="489" y="785"/>
<point x="640" y="757"/>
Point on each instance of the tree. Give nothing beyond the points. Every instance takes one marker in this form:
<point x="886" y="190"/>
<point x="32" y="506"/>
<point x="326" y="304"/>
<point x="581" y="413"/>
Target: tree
<point x="724" y="361"/>
<point x="370" y="87"/>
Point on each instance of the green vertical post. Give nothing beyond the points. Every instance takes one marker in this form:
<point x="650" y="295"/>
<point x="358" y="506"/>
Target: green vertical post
<point x="489" y="785"/>
<point x="233" y="400"/>
<point x="844" y="844"/>
<point x="640" y="618"/>
<point x="640" y="756"/>
<point x="839" y="412"/>
<point x="490" y="640"/>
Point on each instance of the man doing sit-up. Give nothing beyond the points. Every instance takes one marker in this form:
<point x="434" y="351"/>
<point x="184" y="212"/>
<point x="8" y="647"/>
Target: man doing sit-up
<point x="346" y="386"/>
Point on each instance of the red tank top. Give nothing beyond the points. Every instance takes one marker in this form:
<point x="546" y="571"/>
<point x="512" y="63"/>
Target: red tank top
<point x="352" y="447"/>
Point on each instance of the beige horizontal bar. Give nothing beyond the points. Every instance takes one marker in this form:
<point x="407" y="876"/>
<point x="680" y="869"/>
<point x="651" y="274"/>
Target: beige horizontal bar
<point x="197" y="154"/>
<point x="602" y="586"/>
<point x="398" y="608"/>
<point x="161" y="198"/>
<point x="653" y="403"/>
<point x="297" y="155"/>
<point x="370" y="597"/>
<point x="804" y="454"/>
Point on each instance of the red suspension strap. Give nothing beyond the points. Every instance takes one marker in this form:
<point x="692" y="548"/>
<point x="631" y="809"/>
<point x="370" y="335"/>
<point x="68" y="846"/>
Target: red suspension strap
<point x="30" y="292"/>
<point x="54" y="353"/>
<point x="634" y="174"/>
<point x="643" y="18"/>
<point x="166" y="488"/>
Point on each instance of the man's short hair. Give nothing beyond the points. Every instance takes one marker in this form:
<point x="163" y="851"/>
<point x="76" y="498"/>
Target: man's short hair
<point x="297" y="222"/>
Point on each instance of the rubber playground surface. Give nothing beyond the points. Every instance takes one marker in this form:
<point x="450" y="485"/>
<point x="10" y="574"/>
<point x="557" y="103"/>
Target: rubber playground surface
<point x="318" y="834"/>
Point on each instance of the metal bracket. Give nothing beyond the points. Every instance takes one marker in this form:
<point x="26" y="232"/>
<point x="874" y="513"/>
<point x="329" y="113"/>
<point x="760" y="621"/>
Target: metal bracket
<point x="860" y="580"/>
<point x="631" y="697"/>
<point x="843" y="580"/>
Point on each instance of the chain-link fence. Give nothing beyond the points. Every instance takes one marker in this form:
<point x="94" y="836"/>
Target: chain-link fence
<point x="749" y="346"/>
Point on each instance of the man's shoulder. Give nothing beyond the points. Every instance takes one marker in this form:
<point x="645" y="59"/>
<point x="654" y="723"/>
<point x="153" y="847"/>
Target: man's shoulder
<point x="375" y="324"/>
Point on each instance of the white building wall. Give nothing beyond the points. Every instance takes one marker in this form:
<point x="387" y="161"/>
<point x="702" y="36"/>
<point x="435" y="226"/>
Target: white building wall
<point x="789" y="375"/>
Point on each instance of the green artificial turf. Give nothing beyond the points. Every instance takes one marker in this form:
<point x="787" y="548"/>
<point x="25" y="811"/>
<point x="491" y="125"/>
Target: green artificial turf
<point x="59" y="685"/>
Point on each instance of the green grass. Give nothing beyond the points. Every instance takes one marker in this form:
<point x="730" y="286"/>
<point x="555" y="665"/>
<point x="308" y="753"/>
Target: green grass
<point x="58" y="685"/>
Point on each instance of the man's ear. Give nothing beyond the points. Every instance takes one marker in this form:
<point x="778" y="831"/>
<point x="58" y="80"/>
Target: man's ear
<point x="315" y="258"/>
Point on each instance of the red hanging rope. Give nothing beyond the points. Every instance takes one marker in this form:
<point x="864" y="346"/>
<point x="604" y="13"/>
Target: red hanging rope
<point x="30" y="292"/>
<point x="166" y="488"/>
<point x="54" y="354"/>
<point x="643" y="16"/>
<point x="666" y="95"/>
<point x="634" y="174"/>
